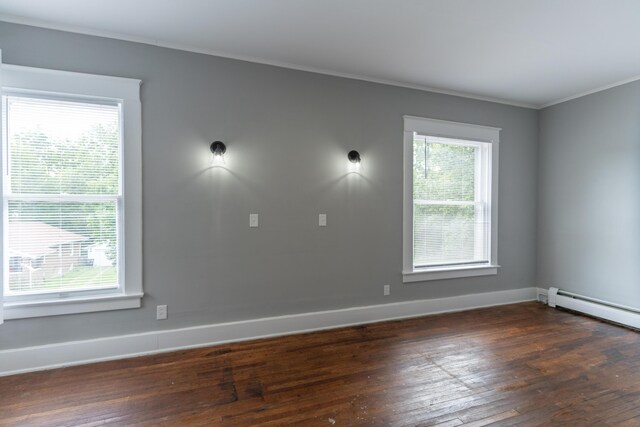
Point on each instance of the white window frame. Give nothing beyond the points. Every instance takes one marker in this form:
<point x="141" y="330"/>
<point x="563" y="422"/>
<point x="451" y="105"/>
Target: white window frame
<point x="459" y="131"/>
<point x="125" y="92"/>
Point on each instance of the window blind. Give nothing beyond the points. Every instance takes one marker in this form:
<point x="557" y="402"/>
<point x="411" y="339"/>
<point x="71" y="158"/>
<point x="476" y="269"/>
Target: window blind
<point x="62" y="194"/>
<point x="450" y="224"/>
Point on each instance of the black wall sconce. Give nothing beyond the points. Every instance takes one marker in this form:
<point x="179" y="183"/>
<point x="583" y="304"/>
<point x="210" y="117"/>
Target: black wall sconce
<point x="354" y="156"/>
<point x="218" y="148"/>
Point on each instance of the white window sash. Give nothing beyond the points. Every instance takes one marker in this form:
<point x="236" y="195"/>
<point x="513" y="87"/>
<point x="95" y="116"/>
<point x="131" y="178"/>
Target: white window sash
<point x="10" y="297"/>
<point x="481" y="238"/>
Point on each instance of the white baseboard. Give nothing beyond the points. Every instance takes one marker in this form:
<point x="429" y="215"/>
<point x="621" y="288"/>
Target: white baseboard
<point x="27" y="359"/>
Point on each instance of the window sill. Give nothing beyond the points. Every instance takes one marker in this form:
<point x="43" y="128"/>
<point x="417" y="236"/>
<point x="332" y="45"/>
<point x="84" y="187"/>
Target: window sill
<point x="426" y="274"/>
<point x="55" y="307"/>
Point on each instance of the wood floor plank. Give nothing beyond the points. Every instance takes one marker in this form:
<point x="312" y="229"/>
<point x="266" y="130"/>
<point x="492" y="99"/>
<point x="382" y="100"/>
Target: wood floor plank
<point x="521" y="364"/>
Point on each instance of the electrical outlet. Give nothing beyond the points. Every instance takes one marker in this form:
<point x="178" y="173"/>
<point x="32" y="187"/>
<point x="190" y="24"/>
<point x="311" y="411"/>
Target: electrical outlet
<point x="161" y="312"/>
<point x="387" y="290"/>
<point x="322" y="220"/>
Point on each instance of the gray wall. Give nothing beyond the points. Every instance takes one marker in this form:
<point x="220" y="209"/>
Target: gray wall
<point x="287" y="133"/>
<point x="589" y="195"/>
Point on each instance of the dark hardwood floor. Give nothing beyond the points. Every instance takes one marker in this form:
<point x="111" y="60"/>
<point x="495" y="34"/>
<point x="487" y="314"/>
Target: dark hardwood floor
<point x="522" y="364"/>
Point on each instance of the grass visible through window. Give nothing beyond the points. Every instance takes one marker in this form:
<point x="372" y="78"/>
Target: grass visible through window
<point x="81" y="277"/>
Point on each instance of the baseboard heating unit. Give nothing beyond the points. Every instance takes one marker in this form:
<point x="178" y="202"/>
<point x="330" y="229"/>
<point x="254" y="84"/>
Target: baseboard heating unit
<point x="624" y="315"/>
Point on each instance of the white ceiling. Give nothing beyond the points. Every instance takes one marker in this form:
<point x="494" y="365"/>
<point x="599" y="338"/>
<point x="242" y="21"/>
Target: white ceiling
<point x="524" y="52"/>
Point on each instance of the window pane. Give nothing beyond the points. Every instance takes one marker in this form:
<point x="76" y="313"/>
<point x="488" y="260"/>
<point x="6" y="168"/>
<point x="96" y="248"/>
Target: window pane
<point x="63" y="147"/>
<point x="62" y="246"/>
<point x="450" y="224"/>
<point x="448" y="234"/>
<point x="442" y="171"/>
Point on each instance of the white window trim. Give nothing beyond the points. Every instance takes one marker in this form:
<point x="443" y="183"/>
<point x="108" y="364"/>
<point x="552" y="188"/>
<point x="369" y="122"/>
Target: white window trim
<point x="455" y="130"/>
<point x="127" y="92"/>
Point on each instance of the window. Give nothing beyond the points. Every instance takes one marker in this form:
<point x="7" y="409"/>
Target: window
<point x="450" y="207"/>
<point x="71" y="192"/>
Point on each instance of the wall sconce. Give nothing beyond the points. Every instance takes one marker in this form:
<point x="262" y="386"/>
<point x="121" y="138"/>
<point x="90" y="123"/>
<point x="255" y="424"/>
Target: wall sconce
<point x="354" y="156"/>
<point x="217" y="150"/>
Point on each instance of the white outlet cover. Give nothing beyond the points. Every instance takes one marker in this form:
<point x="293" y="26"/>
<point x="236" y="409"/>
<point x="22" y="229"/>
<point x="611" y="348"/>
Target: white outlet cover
<point x="161" y="312"/>
<point x="322" y="220"/>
